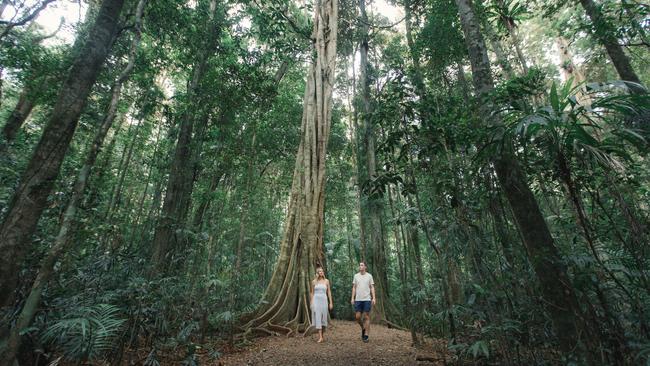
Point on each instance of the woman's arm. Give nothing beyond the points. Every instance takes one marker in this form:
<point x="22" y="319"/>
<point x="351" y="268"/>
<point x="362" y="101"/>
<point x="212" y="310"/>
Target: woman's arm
<point x="329" y="295"/>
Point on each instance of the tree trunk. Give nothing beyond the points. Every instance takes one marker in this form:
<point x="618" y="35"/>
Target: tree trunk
<point x="18" y="116"/>
<point x="358" y="171"/>
<point x="285" y="303"/>
<point x="501" y="229"/>
<point x="125" y="161"/>
<point x="502" y="59"/>
<point x="103" y="166"/>
<point x="398" y="245"/>
<point x="571" y="329"/>
<point x="37" y="180"/>
<point x="138" y="223"/>
<point x="418" y="79"/>
<point x="570" y="70"/>
<point x="168" y="237"/>
<point x="203" y="207"/>
<point x="605" y="35"/>
<point x="243" y="221"/>
<point x="637" y="226"/>
<point x="63" y="237"/>
<point x="374" y="205"/>
<point x="516" y="42"/>
<point x="567" y="66"/>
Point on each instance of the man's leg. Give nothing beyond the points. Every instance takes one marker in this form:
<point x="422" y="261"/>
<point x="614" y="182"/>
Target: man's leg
<point x="366" y="322"/>
<point x="359" y="318"/>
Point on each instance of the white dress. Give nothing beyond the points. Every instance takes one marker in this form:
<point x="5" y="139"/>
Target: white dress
<point x="319" y="310"/>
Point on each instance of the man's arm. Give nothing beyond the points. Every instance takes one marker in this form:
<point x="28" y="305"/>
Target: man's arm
<point x="354" y="291"/>
<point x="372" y="291"/>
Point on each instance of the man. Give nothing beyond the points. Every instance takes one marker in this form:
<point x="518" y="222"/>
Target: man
<point x="363" y="297"/>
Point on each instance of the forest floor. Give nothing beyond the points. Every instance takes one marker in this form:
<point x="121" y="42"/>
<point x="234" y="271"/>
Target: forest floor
<point x="342" y="346"/>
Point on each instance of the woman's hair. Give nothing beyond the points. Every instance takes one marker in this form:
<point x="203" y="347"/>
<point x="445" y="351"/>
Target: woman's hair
<point x="316" y="276"/>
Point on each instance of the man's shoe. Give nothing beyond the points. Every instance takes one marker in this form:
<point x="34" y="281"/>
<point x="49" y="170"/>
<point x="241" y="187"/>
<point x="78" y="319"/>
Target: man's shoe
<point x="365" y="338"/>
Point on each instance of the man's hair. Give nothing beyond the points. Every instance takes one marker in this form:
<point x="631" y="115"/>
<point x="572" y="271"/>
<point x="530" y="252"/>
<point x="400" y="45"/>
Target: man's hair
<point x="364" y="263"/>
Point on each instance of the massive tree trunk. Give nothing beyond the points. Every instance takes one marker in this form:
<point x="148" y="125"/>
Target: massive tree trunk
<point x="19" y="115"/>
<point x="63" y="238"/>
<point x="285" y="305"/>
<point x="37" y="180"/>
<point x="572" y="331"/>
<point x="605" y="35"/>
<point x="167" y="237"/>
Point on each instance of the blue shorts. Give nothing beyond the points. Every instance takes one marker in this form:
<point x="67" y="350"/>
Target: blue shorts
<point x="362" y="306"/>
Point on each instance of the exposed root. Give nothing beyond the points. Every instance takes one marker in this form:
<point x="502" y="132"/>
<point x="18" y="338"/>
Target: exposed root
<point x="267" y="331"/>
<point x="390" y="324"/>
<point x="282" y="330"/>
<point x="309" y="331"/>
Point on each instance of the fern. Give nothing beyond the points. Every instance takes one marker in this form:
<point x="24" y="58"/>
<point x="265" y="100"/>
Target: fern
<point x="87" y="332"/>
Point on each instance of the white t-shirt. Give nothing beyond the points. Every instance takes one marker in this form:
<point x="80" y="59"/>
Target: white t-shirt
<point x="363" y="283"/>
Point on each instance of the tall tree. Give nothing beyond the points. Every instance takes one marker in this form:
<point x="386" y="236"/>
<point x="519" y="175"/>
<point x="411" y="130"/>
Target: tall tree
<point x="30" y="198"/>
<point x="63" y="238"/>
<point x="368" y="160"/>
<point x="604" y="32"/>
<point x="557" y="289"/>
<point x="285" y="304"/>
<point x="181" y="177"/>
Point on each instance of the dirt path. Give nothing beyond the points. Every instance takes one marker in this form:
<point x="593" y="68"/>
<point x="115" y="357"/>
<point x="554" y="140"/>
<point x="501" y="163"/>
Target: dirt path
<point x="342" y="346"/>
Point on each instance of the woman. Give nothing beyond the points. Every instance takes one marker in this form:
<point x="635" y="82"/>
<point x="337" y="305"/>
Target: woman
<point x="320" y="292"/>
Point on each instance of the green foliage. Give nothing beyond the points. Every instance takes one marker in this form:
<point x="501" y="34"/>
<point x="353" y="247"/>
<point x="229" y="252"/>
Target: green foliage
<point x="506" y="14"/>
<point x="594" y="130"/>
<point x="455" y="264"/>
<point x="86" y="332"/>
<point x="477" y="349"/>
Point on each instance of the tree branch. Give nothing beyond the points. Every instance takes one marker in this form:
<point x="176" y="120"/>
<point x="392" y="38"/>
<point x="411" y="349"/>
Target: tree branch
<point x="47" y="36"/>
<point x="27" y="18"/>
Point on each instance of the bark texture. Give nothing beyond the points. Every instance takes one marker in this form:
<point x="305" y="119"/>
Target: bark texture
<point x="63" y="237"/>
<point x="19" y="115"/>
<point x="30" y="198"/>
<point x="284" y="308"/>
<point x="605" y="35"/>
<point x="168" y="236"/>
